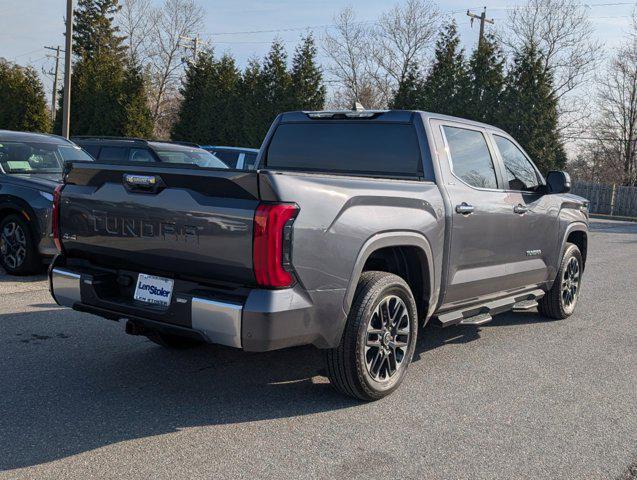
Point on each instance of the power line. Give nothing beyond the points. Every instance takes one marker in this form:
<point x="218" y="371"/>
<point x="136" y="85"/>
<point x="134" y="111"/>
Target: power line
<point x="26" y="53"/>
<point x="374" y="22"/>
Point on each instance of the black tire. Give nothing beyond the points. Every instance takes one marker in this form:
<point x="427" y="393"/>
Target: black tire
<point x="18" y="253"/>
<point x="351" y="365"/>
<point x="560" y="301"/>
<point x="176" y="342"/>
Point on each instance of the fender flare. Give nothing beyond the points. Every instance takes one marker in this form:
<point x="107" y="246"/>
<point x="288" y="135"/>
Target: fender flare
<point x="572" y="227"/>
<point x="392" y="239"/>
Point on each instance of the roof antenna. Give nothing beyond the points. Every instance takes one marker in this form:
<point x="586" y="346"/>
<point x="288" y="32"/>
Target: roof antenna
<point x="358" y="107"/>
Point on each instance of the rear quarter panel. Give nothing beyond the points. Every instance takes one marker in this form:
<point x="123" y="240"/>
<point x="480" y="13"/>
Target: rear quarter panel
<point x="339" y="215"/>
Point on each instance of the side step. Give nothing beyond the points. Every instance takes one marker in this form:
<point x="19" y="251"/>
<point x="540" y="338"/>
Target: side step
<point x="524" y="305"/>
<point x="479" y="319"/>
<point x="480" y="314"/>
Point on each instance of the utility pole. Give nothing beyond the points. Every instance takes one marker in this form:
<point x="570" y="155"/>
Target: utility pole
<point x="483" y="19"/>
<point x="68" y="52"/>
<point x="192" y="44"/>
<point x="54" y="99"/>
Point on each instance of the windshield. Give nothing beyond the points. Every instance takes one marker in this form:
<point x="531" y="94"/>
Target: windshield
<point x="194" y="156"/>
<point x="35" y="157"/>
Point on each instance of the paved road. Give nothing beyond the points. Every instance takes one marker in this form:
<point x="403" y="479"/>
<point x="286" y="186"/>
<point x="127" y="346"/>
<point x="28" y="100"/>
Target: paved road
<point x="519" y="398"/>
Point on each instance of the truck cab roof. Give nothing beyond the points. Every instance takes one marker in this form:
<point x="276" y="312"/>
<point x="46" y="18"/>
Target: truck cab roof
<point x="386" y="116"/>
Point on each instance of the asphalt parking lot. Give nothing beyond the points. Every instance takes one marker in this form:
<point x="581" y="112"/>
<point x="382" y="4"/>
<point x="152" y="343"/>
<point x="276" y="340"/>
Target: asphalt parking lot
<point x="521" y="397"/>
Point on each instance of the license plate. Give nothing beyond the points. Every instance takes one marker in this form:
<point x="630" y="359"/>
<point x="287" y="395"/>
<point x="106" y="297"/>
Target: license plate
<point x="154" y="290"/>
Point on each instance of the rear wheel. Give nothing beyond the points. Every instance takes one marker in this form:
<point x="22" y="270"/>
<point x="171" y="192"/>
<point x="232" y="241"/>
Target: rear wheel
<point x="18" y="253"/>
<point x="379" y="339"/>
<point x="560" y="301"/>
<point x="168" y="340"/>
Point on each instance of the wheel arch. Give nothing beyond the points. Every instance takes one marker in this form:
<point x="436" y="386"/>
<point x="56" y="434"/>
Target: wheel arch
<point x="576" y="233"/>
<point x="13" y="205"/>
<point x="395" y="252"/>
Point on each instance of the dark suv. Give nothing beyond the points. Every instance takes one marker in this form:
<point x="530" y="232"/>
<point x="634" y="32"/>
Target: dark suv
<point x="127" y="150"/>
<point x="235" y="157"/>
<point x="30" y="169"/>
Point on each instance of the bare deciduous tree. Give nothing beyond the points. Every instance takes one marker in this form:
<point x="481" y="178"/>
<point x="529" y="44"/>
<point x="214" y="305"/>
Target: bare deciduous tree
<point x="169" y="24"/>
<point x="154" y="38"/>
<point x="369" y="61"/>
<point x="563" y="33"/>
<point x="612" y="155"/>
<point x="401" y="40"/>
<point x="617" y="127"/>
<point x="348" y="50"/>
<point x="134" y="21"/>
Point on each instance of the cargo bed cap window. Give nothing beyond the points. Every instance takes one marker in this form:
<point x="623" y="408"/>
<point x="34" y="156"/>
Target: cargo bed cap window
<point x="368" y="148"/>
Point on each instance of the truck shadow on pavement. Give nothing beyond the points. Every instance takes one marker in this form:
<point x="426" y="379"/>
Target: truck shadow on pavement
<point x="71" y="383"/>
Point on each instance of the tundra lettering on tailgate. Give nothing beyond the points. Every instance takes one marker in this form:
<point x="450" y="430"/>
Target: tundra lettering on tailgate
<point x="118" y="226"/>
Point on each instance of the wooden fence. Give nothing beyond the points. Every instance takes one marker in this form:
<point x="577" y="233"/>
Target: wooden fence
<point x="613" y="200"/>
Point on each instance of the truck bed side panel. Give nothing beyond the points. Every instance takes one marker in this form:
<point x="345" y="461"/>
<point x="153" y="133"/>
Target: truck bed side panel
<point x="338" y="215"/>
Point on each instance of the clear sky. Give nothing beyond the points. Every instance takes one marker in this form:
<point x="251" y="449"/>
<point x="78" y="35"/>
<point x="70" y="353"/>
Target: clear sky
<point x="27" y="25"/>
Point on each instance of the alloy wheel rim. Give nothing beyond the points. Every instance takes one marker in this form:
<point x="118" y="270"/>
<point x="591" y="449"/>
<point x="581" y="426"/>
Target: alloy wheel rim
<point x="570" y="283"/>
<point x="13" y="245"/>
<point x="387" y="339"/>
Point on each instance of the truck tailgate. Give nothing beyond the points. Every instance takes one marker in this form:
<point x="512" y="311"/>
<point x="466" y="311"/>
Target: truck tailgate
<point x="190" y="222"/>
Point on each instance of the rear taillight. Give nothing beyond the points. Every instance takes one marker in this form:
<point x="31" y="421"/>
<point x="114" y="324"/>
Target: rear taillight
<point x="271" y="252"/>
<point x="56" y="217"/>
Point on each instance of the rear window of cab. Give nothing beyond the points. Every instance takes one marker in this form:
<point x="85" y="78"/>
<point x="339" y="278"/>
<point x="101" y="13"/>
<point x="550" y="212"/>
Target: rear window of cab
<point x="348" y="147"/>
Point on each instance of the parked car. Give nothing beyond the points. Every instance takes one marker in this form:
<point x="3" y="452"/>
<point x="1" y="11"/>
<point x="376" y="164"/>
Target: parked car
<point x="356" y="228"/>
<point x="30" y="169"/>
<point x="235" y="157"/>
<point x="137" y="150"/>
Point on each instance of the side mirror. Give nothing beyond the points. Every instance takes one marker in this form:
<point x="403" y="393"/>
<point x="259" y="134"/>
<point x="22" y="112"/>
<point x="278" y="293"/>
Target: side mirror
<point x="558" y="182"/>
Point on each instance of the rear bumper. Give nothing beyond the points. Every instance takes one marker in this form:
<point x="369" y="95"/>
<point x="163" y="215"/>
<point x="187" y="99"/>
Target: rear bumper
<point x="265" y="320"/>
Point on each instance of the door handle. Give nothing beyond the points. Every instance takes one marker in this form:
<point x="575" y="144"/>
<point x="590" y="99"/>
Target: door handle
<point x="464" y="208"/>
<point x="520" y="209"/>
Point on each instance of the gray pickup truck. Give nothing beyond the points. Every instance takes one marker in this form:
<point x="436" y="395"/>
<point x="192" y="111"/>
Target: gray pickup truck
<point x="355" y="228"/>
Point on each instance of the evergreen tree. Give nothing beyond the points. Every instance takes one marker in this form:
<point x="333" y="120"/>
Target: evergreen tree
<point x="252" y="104"/>
<point x="210" y="111"/>
<point x="444" y="88"/>
<point x="22" y="100"/>
<point x="275" y="83"/>
<point x="109" y="94"/>
<point x="486" y="81"/>
<point x="138" y="119"/>
<point x="408" y="94"/>
<point x="93" y="29"/>
<point x="193" y="121"/>
<point x="307" y="88"/>
<point x="529" y="110"/>
<point x="265" y="92"/>
<point x="227" y="102"/>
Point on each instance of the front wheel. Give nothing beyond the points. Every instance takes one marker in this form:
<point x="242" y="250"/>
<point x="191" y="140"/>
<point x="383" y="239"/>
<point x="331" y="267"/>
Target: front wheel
<point x="18" y="254"/>
<point x="560" y="301"/>
<point x="379" y="338"/>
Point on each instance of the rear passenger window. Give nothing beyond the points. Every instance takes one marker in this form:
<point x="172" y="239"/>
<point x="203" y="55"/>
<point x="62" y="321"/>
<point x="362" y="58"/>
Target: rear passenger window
<point x="93" y="150"/>
<point x="519" y="174"/>
<point x="114" y="154"/>
<point x="470" y="157"/>
<point x="140" y="155"/>
<point x="346" y="146"/>
<point x="250" y="160"/>
<point x="229" y="158"/>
